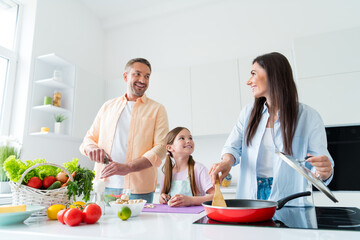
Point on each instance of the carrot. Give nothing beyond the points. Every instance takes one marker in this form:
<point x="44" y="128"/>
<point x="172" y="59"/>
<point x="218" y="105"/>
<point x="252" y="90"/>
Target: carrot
<point x="66" y="183"/>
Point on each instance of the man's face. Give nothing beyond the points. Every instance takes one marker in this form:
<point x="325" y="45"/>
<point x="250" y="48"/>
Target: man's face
<point x="137" y="79"/>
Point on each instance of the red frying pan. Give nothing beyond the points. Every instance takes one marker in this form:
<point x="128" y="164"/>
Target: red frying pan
<point x="243" y="210"/>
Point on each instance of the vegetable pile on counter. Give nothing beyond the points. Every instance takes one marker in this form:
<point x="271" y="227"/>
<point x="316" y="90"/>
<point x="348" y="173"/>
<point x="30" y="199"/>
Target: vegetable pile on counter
<point x="75" y="214"/>
<point x="50" y="177"/>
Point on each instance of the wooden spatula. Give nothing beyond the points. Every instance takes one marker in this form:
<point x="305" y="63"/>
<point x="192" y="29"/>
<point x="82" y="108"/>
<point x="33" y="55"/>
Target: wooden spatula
<point x="218" y="199"/>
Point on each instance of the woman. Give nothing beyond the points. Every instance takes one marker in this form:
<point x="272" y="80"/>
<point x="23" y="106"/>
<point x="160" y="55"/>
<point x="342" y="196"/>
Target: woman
<point x="275" y="121"/>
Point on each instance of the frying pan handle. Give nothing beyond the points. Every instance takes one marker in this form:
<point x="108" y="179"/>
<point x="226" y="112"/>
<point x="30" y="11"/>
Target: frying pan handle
<point x="283" y="201"/>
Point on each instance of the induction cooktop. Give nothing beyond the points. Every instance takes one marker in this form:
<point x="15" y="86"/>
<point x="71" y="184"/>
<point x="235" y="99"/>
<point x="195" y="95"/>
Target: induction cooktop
<point x="326" y="218"/>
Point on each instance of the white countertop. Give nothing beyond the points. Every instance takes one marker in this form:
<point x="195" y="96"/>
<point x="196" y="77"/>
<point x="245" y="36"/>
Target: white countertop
<point x="160" y="226"/>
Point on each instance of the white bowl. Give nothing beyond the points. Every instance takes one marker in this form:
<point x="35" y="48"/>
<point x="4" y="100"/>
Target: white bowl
<point x="135" y="208"/>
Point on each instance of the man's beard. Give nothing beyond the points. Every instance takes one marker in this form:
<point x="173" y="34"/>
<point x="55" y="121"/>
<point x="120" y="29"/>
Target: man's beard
<point x="135" y="92"/>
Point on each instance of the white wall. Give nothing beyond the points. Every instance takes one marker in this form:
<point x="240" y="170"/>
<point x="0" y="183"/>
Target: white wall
<point x="66" y="28"/>
<point x="219" y="31"/>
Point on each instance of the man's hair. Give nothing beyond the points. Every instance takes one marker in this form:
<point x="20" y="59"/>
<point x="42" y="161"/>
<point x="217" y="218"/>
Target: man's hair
<point x="135" y="60"/>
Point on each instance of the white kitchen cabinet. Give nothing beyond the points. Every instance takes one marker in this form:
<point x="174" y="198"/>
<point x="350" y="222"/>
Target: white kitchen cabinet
<point x="336" y="103"/>
<point x="215" y="97"/>
<point x="328" y="53"/>
<point x="45" y="84"/>
<point x="328" y="71"/>
<point x="172" y="89"/>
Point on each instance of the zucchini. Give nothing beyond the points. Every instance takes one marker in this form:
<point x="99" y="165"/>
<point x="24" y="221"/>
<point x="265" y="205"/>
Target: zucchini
<point x="55" y="185"/>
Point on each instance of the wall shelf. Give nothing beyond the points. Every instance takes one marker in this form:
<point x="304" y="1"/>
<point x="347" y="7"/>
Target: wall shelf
<point x="51" y="109"/>
<point x="50" y="82"/>
<point x="52" y="135"/>
<point x="46" y="83"/>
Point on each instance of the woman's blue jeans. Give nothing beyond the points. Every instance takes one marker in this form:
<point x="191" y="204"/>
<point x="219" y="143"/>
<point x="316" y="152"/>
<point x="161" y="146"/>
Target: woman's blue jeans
<point x="264" y="188"/>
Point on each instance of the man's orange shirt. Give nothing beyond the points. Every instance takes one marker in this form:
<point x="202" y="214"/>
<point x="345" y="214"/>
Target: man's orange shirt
<point x="147" y="130"/>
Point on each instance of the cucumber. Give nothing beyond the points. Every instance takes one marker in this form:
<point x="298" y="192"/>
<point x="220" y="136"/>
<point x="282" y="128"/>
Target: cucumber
<point x="55" y="185"/>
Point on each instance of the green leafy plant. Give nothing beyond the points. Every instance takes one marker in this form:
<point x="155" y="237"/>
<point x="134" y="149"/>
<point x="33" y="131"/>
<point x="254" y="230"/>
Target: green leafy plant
<point x="8" y="147"/>
<point x="82" y="184"/>
<point x="59" y="117"/>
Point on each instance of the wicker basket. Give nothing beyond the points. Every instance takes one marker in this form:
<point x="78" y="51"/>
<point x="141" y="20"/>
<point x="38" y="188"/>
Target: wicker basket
<point x="22" y="194"/>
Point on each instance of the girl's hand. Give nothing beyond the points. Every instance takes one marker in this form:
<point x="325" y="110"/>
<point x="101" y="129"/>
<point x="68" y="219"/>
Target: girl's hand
<point x="164" y="198"/>
<point x="322" y="165"/>
<point x="180" y="200"/>
<point x="224" y="167"/>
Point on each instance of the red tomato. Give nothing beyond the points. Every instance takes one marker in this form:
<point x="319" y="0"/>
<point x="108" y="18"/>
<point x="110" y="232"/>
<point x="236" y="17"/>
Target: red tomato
<point x="73" y="217"/>
<point x="34" y="182"/>
<point x="47" y="181"/>
<point x="91" y="213"/>
<point x="60" y="215"/>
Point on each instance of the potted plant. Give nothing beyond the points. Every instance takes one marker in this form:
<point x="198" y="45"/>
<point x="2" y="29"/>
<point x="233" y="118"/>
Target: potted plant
<point x="59" y="118"/>
<point x="8" y="146"/>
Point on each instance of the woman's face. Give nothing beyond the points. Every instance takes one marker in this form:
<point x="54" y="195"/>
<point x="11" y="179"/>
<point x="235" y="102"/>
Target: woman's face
<point x="258" y="82"/>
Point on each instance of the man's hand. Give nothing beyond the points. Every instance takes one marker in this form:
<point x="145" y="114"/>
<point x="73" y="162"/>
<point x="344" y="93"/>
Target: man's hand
<point x="115" y="168"/>
<point x="97" y="155"/>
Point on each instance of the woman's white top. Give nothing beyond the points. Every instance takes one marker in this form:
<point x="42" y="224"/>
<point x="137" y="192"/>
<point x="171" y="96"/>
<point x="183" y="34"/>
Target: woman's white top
<point x="265" y="161"/>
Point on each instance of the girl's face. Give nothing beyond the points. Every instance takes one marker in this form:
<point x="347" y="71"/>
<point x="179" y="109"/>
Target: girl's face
<point x="183" y="144"/>
<point x="258" y="82"/>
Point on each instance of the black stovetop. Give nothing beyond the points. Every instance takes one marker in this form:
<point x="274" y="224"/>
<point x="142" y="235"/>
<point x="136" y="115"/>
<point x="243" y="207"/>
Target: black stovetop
<point x="331" y="218"/>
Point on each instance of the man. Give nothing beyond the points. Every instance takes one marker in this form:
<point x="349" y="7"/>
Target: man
<point x="130" y="130"/>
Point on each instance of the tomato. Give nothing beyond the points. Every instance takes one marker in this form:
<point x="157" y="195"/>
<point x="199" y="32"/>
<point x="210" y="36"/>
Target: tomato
<point x="34" y="182"/>
<point x="53" y="210"/>
<point x="73" y="217"/>
<point x="60" y="215"/>
<point x="91" y="213"/>
<point x="47" y="181"/>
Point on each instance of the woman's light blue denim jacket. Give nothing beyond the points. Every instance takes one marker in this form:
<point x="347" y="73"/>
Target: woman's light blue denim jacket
<point x="310" y="137"/>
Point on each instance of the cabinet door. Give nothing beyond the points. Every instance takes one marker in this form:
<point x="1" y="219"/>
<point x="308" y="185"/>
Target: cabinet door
<point x="215" y="98"/>
<point x="171" y="88"/>
<point x="334" y="97"/>
<point x="328" y="73"/>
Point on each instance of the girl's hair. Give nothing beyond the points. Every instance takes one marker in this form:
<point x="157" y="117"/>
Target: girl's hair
<point x="283" y="95"/>
<point x="168" y="166"/>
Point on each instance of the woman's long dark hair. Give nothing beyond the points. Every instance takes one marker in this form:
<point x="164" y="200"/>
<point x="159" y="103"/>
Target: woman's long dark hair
<point x="168" y="165"/>
<point x="283" y="95"/>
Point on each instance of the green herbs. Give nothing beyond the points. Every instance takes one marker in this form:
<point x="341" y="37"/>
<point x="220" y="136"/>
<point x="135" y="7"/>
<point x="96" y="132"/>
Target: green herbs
<point x="82" y="184"/>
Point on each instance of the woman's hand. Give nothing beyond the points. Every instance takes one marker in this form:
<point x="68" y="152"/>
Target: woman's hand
<point x="322" y="166"/>
<point x="164" y="198"/>
<point x="224" y="167"/>
<point x="180" y="200"/>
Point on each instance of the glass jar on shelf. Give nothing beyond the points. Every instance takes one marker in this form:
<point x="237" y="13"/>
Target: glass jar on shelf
<point x="56" y="99"/>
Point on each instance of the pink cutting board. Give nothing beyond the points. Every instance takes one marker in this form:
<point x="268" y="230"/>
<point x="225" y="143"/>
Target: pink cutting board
<point x="164" y="208"/>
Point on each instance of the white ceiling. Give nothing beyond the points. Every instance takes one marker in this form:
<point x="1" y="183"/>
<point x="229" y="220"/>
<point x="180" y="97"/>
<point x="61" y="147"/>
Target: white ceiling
<point x="113" y="13"/>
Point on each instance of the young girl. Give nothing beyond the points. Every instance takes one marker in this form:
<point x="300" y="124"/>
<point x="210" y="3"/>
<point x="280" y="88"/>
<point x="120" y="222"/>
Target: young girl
<point x="184" y="182"/>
